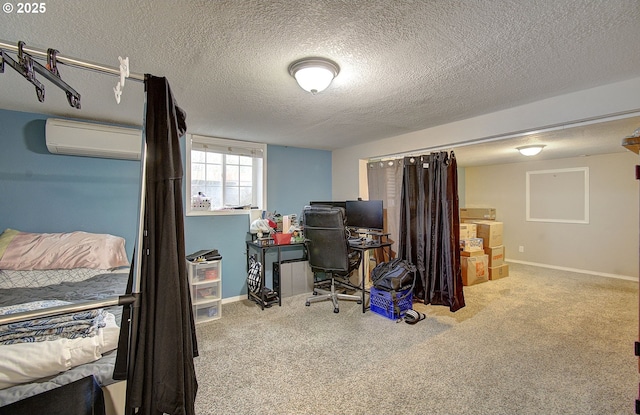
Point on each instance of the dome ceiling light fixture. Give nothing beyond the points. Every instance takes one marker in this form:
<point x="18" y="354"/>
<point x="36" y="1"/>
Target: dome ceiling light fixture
<point x="314" y="74"/>
<point x="530" y="150"/>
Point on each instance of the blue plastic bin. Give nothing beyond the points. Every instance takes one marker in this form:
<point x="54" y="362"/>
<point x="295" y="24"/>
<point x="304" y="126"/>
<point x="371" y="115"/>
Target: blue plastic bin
<point x="382" y="303"/>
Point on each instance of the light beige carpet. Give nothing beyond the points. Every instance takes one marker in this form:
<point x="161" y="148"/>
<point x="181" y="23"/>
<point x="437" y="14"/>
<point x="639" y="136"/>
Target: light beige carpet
<point x="540" y="341"/>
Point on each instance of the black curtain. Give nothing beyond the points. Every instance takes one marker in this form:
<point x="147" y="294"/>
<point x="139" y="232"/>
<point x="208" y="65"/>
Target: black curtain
<point x="430" y="228"/>
<point x="161" y="377"/>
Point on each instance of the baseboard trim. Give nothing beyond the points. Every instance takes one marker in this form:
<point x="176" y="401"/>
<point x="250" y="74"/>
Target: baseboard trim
<point x="233" y="299"/>
<point x="535" y="264"/>
<point x="582" y="271"/>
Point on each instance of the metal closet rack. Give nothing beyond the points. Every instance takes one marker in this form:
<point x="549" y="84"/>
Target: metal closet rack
<point x="27" y="67"/>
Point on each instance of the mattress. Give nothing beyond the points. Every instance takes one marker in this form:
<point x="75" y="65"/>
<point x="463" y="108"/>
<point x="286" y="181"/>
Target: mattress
<point x="97" y="287"/>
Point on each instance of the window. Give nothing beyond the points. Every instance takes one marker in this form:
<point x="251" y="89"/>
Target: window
<point x="224" y="175"/>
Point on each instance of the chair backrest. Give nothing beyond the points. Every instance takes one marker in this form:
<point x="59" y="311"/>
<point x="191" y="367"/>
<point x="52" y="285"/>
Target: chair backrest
<point x="326" y="238"/>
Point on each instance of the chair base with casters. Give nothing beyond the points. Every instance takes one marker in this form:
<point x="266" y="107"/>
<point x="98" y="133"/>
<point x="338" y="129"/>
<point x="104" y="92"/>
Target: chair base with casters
<point x="333" y="295"/>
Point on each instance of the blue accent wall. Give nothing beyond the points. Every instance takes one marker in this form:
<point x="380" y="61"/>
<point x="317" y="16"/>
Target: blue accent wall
<point x="295" y="177"/>
<point x="43" y="192"/>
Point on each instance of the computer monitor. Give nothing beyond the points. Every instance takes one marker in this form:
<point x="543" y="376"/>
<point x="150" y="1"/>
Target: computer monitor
<point x="366" y="214"/>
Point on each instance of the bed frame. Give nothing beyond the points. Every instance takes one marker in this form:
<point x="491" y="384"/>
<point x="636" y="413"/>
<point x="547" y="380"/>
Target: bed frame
<point x="115" y="394"/>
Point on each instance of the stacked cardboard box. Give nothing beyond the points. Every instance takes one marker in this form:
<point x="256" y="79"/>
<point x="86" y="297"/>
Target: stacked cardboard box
<point x="496" y="255"/>
<point x="474" y="269"/>
<point x="468" y="231"/>
<point x="470" y="244"/>
<point x="491" y="234"/>
<point x="480" y="223"/>
<point x="477" y="214"/>
<point x="474" y="262"/>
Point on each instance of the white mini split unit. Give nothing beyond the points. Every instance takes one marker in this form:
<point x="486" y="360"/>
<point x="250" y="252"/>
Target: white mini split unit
<point x="92" y="140"/>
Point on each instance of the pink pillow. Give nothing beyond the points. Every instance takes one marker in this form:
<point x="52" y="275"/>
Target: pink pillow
<point x="39" y="251"/>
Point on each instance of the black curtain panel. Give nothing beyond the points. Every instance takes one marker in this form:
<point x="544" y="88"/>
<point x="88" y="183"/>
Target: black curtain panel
<point x="430" y="228"/>
<point x="162" y="378"/>
<point x="412" y="222"/>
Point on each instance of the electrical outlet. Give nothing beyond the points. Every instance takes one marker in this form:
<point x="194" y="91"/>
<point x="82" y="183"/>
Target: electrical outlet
<point x="521" y="248"/>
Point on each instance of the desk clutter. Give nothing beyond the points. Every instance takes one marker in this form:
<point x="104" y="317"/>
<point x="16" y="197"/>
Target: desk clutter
<point x="325" y="253"/>
<point x="291" y="275"/>
<point x="276" y="229"/>
<point x="481" y="246"/>
<point x="363" y="237"/>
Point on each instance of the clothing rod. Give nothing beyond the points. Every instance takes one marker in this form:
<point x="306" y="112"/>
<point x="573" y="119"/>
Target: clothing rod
<point x="69" y="61"/>
<point x="68" y="308"/>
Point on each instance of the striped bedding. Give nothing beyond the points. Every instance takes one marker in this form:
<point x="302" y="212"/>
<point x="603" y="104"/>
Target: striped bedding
<point x="93" y="340"/>
<point x="68" y="326"/>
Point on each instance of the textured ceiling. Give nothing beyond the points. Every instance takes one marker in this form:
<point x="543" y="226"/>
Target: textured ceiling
<point x="405" y="65"/>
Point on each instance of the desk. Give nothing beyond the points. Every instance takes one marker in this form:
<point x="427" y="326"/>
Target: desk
<point x="262" y="247"/>
<point x="363" y="247"/>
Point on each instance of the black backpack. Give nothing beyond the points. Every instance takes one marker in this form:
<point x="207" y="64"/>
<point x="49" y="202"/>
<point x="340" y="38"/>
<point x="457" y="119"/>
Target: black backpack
<point x="395" y="275"/>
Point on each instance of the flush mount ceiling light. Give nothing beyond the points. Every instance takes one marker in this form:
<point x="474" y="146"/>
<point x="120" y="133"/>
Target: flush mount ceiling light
<point x="314" y="74"/>
<point x="530" y="150"/>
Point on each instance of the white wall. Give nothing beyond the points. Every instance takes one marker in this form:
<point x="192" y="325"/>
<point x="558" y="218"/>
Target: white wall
<point x="591" y="103"/>
<point x="607" y="245"/>
<point x="581" y="252"/>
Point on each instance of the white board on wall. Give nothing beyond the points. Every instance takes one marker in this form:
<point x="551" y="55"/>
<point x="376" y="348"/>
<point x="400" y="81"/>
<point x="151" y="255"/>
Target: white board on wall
<point x="560" y="195"/>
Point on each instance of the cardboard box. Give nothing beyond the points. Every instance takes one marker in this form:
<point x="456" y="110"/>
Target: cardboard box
<point x="490" y="232"/>
<point x="468" y="231"/>
<point x="473" y="244"/>
<point x="478" y="213"/>
<point x="499" y="272"/>
<point x="471" y="253"/>
<point x="474" y="269"/>
<point x="496" y="255"/>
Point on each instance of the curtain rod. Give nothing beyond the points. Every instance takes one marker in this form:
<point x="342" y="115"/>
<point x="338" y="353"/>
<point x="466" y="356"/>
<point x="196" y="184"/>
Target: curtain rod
<point x="78" y="63"/>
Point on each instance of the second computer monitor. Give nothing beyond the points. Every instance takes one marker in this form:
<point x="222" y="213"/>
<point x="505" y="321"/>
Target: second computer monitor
<point x="366" y="214"/>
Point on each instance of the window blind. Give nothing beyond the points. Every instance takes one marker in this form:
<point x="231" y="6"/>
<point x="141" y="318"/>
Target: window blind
<point x="244" y="148"/>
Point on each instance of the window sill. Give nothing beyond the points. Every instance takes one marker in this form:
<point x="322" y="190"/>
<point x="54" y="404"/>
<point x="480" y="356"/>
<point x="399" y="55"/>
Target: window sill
<point x="222" y="212"/>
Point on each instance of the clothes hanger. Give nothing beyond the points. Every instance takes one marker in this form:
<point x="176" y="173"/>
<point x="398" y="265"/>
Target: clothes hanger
<point x="27" y="67"/>
<point x="124" y="73"/>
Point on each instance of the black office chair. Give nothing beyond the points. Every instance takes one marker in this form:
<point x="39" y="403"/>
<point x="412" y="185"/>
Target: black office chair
<point x="328" y="250"/>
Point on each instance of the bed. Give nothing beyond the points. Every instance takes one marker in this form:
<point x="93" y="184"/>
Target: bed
<point x="40" y="272"/>
<point x="158" y="344"/>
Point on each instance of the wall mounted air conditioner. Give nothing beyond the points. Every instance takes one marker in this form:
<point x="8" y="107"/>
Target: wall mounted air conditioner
<point x="92" y="140"/>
